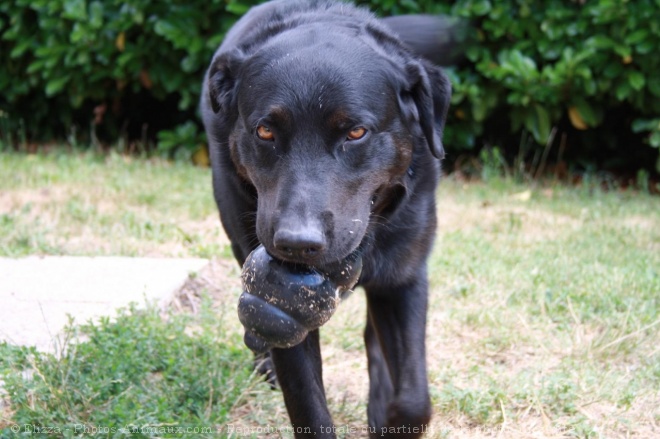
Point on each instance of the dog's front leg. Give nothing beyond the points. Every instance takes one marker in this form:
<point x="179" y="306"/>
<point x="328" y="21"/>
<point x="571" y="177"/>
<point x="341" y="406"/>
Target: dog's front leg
<point x="299" y="373"/>
<point x="399" y="403"/>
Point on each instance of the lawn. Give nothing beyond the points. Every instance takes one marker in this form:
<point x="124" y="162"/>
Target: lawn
<point x="544" y="317"/>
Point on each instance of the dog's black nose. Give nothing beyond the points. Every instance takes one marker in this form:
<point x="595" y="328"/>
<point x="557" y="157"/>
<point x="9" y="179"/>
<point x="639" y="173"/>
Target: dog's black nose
<point x="300" y="244"/>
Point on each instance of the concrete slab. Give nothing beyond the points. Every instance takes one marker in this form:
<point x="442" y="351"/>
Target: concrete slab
<point x="37" y="294"/>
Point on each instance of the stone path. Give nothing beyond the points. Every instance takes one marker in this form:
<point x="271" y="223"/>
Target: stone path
<point x="38" y="294"/>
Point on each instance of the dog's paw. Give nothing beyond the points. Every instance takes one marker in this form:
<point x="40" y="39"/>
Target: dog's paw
<point x="282" y="302"/>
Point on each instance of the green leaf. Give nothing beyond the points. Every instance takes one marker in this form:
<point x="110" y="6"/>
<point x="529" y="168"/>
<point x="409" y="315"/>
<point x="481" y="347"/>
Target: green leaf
<point x="479" y="110"/>
<point x="645" y="47"/>
<point x="167" y="29"/>
<point x="636" y="80"/>
<point x="96" y="12"/>
<point x="36" y="66"/>
<point x="20" y="48"/>
<point x="55" y="85"/>
<point x="622" y="51"/>
<point x="79" y="33"/>
<point x="590" y="87"/>
<point x="654" y="86"/>
<point x="538" y="123"/>
<point x="589" y="113"/>
<point x="600" y="42"/>
<point x="482" y="7"/>
<point x="75" y="10"/>
<point x="641" y="125"/>
<point x="237" y="8"/>
<point x="637" y="37"/>
<point x="654" y="139"/>
<point x="613" y="70"/>
<point x="622" y="91"/>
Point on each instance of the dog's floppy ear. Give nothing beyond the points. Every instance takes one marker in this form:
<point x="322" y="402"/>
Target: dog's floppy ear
<point x="430" y="91"/>
<point x="222" y="80"/>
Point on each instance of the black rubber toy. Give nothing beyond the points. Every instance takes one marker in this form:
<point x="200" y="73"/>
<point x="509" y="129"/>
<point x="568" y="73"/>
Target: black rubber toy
<point x="282" y="302"/>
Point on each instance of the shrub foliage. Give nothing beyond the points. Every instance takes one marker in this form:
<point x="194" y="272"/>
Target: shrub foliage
<point x="132" y="68"/>
<point x="585" y="67"/>
<point x="120" y="66"/>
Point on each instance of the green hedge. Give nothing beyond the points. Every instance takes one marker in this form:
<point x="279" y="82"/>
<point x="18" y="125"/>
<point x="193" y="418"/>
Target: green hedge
<point x="589" y="68"/>
<point x="129" y="69"/>
<point x="124" y="68"/>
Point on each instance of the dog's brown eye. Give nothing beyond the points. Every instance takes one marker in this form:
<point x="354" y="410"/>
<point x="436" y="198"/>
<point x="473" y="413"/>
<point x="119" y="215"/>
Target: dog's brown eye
<point x="264" y="133"/>
<point x="357" y="133"/>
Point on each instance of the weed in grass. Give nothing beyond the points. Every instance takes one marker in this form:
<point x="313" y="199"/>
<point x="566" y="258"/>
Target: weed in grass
<point x="480" y="406"/>
<point x="138" y="372"/>
<point x="493" y="164"/>
<point x="20" y="239"/>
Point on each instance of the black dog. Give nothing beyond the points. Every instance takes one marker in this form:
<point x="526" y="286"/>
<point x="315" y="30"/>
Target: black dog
<point x="324" y="127"/>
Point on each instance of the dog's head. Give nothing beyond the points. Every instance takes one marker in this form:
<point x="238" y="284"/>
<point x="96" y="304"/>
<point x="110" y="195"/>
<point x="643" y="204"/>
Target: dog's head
<point x="325" y="126"/>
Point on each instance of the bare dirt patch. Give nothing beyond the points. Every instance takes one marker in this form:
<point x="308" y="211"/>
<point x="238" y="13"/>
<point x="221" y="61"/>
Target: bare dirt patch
<point x="219" y="281"/>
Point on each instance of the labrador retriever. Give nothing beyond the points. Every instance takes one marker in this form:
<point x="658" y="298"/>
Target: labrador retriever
<point x="324" y="126"/>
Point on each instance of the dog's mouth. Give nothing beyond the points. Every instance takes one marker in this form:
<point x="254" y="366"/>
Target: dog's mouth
<point x="322" y="262"/>
<point x="335" y="269"/>
<point x="319" y="240"/>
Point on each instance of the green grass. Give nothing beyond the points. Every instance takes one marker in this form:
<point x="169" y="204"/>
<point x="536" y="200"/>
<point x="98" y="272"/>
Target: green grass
<point x="559" y="291"/>
<point x="544" y="315"/>
<point x="140" y="374"/>
<point x="101" y="205"/>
